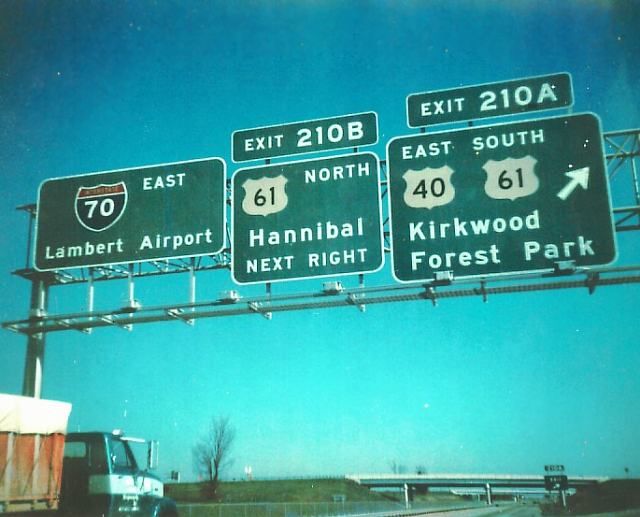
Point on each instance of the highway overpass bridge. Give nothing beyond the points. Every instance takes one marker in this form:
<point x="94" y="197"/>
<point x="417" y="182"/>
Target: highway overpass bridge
<point x="467" y="483"/>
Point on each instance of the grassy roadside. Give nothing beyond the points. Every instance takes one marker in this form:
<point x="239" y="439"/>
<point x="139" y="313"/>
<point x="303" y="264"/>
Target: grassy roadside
<point x="277" y="491"/>
<point x="612" y="496"/>
<point x="615" y="495"/>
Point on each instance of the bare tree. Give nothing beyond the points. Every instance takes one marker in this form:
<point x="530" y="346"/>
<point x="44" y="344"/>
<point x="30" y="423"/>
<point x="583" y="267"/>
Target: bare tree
<point x="211" y="453"/>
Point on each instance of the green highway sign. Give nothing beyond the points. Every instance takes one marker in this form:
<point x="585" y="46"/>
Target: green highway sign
<point x="305" y="137"/>
<point x="131" y="215"/>
<point x="556" y="482"/>
<point x="307" y="219"/>
<point x="490" y="100"/>
<point x="517" y="197"/>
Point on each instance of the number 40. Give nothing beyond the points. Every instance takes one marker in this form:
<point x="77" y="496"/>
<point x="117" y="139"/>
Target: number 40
<point x="436" y="188"/>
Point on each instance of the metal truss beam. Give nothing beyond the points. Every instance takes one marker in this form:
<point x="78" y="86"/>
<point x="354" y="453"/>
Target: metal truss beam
<point x="266" y="306"/>
<point x="622" y="150"/>
<point x="221" y="260"/>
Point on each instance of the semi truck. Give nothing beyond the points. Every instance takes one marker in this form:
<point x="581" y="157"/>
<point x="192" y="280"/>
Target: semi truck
<point x="46" y="471"/>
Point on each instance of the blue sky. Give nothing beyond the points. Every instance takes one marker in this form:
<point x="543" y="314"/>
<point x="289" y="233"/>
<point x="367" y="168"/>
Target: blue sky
<point x="510" y="385"/>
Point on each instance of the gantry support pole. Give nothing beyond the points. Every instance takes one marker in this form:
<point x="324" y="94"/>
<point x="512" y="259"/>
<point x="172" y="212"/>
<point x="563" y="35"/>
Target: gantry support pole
<point x="34" y="361"/>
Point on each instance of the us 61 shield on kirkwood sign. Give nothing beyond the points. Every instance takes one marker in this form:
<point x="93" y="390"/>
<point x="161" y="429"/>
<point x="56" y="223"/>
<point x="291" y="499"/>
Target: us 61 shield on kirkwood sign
<point x="131" y="215"/>
<point x="307" y="219"/>
<point x="519" y="197"/>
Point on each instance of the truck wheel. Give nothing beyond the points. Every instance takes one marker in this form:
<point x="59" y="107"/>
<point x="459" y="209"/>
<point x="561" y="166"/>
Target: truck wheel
<point x="166" y="510"/>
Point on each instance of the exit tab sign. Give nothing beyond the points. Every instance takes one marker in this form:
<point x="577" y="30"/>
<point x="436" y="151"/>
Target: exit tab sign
<point x="490" y="100"/>
<point x="305" y="137"/>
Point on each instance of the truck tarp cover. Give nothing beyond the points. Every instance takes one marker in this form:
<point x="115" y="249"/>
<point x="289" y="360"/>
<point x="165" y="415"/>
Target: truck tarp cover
<point x="26" y="415"/>
<point x="32" y="435"/>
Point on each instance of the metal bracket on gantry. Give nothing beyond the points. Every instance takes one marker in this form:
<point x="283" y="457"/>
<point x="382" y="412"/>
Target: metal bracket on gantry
<point x="442" y="278"/>
<point x="592" y="282"/>
<point x="179" y="314"/>
<point x="131" y="304"/>
<point x="184" y="314"/>
<point x="482" y="291"/>
<point x="430" y="294"/>
<point x="257" y="308"/>
<point x="564" y="267"/>
<point x="356" y="299"/>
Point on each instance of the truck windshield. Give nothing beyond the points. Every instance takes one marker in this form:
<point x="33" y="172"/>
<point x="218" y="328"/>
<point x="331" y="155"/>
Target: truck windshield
<point x="140" y="452"/>
<point x="122" y="458"/>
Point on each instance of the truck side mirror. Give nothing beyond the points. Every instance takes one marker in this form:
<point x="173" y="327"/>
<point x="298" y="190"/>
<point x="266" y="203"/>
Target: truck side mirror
<point x="152" y="454"/>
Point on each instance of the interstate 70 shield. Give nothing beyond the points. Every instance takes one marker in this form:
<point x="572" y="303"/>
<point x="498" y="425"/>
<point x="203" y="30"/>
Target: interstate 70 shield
<point x="98" y="207"/>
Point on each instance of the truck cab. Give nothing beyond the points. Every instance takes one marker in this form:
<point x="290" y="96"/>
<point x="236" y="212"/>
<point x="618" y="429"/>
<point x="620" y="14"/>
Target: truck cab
<point x="102" y="477"/>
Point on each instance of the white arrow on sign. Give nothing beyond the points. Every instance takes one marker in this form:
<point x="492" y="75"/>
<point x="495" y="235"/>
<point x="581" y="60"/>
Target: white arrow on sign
<point x="579" y="177"/>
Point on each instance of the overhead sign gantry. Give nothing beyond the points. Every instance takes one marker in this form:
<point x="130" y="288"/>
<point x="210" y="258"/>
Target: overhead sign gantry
<point x="475" y="203"/>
